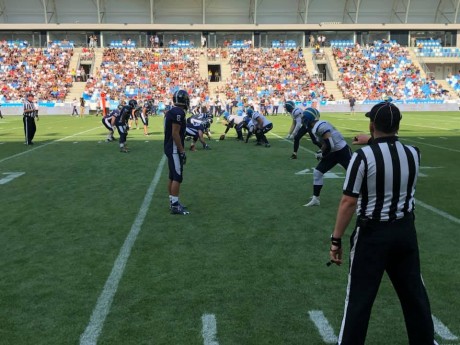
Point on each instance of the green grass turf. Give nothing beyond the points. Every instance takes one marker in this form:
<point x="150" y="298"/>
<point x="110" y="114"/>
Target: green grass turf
<point x="248" y="252"/>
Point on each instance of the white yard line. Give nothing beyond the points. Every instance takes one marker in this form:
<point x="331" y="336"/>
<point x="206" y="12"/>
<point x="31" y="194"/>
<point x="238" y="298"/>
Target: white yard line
<point x="209" y="330"/>
<point x="323" y="326"/>
<point x="44" y="145"/>
<point x="104" y="302"/>
<point x="438" y="147"/>
<point x="442" y="330"/>
<point x="437" y="211"/>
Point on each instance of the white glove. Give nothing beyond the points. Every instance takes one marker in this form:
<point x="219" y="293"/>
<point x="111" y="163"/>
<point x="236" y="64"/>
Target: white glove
<point x="319" y="155"/>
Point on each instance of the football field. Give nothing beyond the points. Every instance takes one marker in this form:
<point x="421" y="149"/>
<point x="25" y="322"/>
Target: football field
<point x="89" y="252"/>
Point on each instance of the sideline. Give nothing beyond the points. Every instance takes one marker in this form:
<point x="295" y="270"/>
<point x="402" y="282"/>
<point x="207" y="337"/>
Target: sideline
<point x="46" y="144"/>
<point x="104" y="302"/>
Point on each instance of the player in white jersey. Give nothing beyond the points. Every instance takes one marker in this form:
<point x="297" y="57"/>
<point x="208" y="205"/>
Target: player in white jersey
<point x="334" y="150"/>
<point x="261" y="126"/>
<point x="296" y="114"/>
<point x="232" y="121"/>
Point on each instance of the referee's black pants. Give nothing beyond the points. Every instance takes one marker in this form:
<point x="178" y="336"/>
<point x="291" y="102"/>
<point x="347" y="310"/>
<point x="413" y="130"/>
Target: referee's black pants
<point x="377" y="247"/>
<point x="29" y="128"/>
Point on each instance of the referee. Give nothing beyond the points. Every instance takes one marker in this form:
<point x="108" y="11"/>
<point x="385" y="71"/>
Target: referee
<point x="380" y="186"/>
<point x="29" y="115"/>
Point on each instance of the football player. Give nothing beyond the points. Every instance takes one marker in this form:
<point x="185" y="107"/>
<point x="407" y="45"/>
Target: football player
<point x="334" y="150"/>
<point x="121" y="122"/>
<point x="175" y="126"/>
<point x="195" y="128"/>
<point x="296" y="114"/>
<point x="134" y="116"/>
<point x="232" y="121"/>
<point x="107" y="120"/>
<point x="144" y="114"/>
<point x="261" y="126"/>
<point x="303" y="130"/>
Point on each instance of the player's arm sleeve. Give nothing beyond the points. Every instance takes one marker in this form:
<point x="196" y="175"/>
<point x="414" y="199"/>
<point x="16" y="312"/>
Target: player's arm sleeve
<point x="328" y="143"/>
<point x="313" y="138"/>
<point x="298" y="124"/>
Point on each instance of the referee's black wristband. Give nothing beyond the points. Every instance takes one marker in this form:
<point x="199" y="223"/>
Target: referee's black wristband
<point x="336" y="241"/>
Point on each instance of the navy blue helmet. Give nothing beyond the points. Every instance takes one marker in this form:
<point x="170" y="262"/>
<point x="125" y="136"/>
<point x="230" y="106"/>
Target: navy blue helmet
<point x="181" y="98"/>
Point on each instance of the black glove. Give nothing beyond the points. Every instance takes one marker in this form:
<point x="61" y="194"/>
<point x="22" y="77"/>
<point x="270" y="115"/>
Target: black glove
<point x="183" y="158"/>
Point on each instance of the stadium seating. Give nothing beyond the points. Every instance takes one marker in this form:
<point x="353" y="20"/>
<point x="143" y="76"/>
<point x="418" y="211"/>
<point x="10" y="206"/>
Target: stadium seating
<point x="43" y="72"/>
<point x="342" y="43"/>
<point x="289" y="44"/>
<point x="137" y="72"/>
<point x="122" y="44"/>
<point x="382" y="69"/>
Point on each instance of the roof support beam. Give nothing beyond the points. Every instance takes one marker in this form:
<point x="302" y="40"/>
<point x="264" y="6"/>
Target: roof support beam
<point x="253" y="11"/>
<point x="456" y="11"/>
<point x="447" y="9"/>
<point x="3" y="12"/>
<point x="152" y="6"/>
<point x="302" y="10"/>
<point x="400" y="7"/>
<point x="407" y="11"/>
<point x="351" y="11"/>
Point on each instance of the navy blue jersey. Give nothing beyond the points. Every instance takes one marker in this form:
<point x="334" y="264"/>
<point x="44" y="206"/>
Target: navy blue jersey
<point x="174" y="115"/>
<point x="125" y="113"/>
<point x="113" y="113"/>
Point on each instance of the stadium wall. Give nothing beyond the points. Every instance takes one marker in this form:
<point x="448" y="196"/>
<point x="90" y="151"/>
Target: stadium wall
<point x="330" y="107"/>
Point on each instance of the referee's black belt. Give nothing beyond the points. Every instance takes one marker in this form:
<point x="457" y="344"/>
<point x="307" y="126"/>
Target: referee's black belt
<point x="363" y="220"/>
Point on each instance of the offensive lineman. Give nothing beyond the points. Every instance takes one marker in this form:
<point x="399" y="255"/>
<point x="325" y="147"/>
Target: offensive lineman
<point x="261" y="126"/>
<point x="232" y="122"/>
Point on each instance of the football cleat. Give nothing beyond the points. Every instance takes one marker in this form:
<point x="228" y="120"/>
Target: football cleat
<point x="124" y="150"/>
<point x="267" y="145"/>
<point x="179" y="209"/>
<point x="293" y="156"/>
<point x="313" y="202"/>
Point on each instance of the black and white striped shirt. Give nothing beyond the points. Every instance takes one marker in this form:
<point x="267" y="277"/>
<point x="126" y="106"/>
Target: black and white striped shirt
<point x="27" y="107"/>
<point x="383" y="176"/>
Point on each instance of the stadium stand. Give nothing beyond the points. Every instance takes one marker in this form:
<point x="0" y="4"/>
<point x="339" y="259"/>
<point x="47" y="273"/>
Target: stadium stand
<point x="260" y="73"/>
<point x="42" y="71"/>
<point x="158" y="73"/>
<point x="385" y="68"/>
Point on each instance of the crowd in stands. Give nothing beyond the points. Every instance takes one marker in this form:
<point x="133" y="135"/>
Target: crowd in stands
<point x="42" y="71"/>
<point x="257" y="73"/>
<point x="385" y="68"/>
<point x="154" y="73"/>
<point x="366" y="73"/>
<point x="216" y="54"/>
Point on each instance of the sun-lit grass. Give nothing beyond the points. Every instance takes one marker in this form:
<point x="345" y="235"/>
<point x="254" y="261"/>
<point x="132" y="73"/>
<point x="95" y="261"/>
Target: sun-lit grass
<point x="249" y="253"/>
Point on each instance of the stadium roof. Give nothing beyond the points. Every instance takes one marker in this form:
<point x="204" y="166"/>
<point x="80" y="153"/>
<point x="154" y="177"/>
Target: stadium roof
<point x="232" y="12"/>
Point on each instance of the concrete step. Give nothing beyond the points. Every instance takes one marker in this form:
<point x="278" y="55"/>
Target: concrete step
<point x="446" y="86"/>
<point x="333" y="89"/>
<point x="415" y="60"/>
<point x="311" y="66"/>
